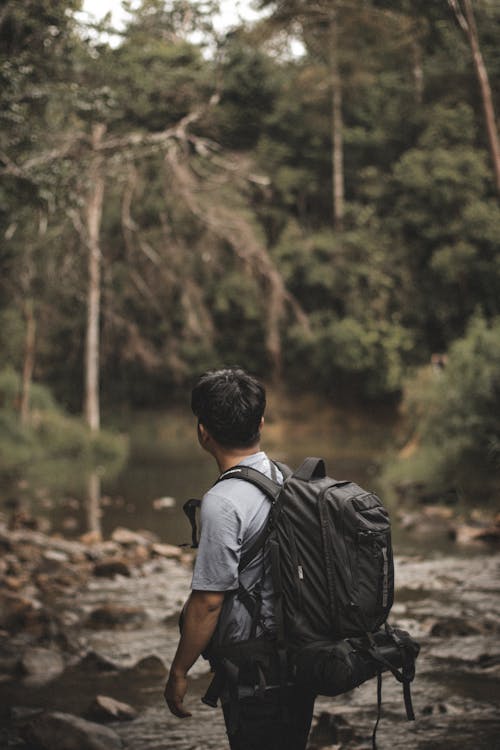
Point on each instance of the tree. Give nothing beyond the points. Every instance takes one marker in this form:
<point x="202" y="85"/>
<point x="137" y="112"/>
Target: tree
<point x="464" y="13"/>
<point x="322" y="17"/>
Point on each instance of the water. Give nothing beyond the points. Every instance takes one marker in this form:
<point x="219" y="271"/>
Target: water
<point x="456" y="694"/>
<point x="166" y="460"/>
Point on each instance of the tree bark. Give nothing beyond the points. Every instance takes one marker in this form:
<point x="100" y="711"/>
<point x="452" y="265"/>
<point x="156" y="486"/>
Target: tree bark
<point x="336" y="126"/>
<point x="467" y="22"/>
<point x="29" y="360"/>
<point x="93" y="504"/>
<point x="93" y="217"/>
<point x="418" y="71"/>
<point x="486" y="95"/>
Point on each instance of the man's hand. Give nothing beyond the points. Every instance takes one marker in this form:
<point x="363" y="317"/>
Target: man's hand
<point x="200" y="619"/>
<point x="175" y="690"/>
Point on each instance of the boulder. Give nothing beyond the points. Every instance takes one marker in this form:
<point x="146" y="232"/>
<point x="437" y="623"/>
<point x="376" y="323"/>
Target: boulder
<point x="91" y="537"/>
<point x="41" y="665"/>
<point x="95" y="662"/>
<point x="15" y="611"/>
<point x="112" y="567"/>
<point x="466" y="534"/>
<point x="169" y="551"/>
<point x="127" y="538"/>
<point x="105" y="708"/>
<point x="151" y="665"/>
<point x="331" y="729"/>
<point x="59" y="731"/>
<point x="448" y="627"/>
<point x="163" y="503"/>
<point x="116" y="615"/>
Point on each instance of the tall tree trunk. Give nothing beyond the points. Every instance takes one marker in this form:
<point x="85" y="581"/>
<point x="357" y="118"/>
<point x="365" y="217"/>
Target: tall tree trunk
<point x="418" y="71"/>
<point x="486" y="96"/>
<point x="29" y="360"/>
<point x="93" y="217"/>
<point x="93" y="504"/>
<point x="467" y="23"/>
<point x="337" y="125"/>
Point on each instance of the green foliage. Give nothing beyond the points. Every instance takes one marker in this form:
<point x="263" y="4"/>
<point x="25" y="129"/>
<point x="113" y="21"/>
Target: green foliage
<point x="50" y="437"/>
<point x="416" y="257"/>
<point x="454" y="413"/>
<point x="349" y="356"/>
<point x="249" y="88"/>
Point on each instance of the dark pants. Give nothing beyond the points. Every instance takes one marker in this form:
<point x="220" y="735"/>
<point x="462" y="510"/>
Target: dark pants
<point x="263" y="725"/>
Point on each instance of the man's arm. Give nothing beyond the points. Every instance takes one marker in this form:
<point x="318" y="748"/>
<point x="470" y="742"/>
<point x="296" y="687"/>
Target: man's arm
<point x="200" y="620"/>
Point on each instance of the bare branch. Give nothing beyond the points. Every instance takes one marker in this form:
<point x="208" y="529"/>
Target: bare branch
<point x="459" y="15"/>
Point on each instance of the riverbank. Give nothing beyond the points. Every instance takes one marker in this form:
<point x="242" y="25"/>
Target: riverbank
<point x="82" y="619"/>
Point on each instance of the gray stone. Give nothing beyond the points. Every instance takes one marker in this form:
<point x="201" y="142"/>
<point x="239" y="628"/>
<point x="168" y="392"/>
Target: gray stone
<point x="59" y="731"/>
<point x="95" y="662"/>
<point x="112" y="567"/>
<point x="127" y="537"/>
<point x="116" y="615"/>
<point x="151" y="665"/>
<point x="41" y="665"/>
<point x="105" y="708"/>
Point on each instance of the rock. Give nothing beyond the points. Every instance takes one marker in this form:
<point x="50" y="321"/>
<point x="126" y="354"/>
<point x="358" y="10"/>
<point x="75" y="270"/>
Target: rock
<point x="431" y="520"/>
<point x="168" y="551"/>
<point x="105" y="708"/>
<point x="465" y="534"/>
<point x="112" y="567"/>
<point x="59" y="731"/>
<point x="9" y="657"/>
<point x="28" y="553"/>
<point x="95" y="662"/>
<point x="163" y="503"/>
<point x="126" y="537"/>
<point x="439" y="512"/>
<point x="453" y="626"/>
<point x="15" y="611"/>
<point x="15" y="583"/>
<point x="116" y="615"/>
<point x="70" y="523"/>
<point x="55" y="556"/>
<point x="433" y="709"/>
<point x="41" y="665"/>
<point x="151" y="665"/>
<point x="331" y="729"/>
<point x="91" y="537"/>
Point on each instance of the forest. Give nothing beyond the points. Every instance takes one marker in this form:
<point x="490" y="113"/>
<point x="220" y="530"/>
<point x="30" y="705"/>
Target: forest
<point x="314" y="196"/>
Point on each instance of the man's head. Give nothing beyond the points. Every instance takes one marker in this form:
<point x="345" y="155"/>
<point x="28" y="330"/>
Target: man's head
<point x="230" y="404"/>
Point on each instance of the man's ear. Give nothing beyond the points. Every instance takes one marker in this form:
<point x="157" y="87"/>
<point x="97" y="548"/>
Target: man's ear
<point x="203" y="435"/>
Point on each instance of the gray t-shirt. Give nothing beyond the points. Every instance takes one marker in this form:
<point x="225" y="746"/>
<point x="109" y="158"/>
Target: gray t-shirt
<point x="232" y="515"/>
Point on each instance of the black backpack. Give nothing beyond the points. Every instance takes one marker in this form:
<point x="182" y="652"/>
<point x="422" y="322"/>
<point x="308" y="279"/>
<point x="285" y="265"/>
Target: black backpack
<point x="333" y="578"/>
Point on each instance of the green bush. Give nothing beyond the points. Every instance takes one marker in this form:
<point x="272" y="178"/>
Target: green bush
<point x="50" y="436"/>
<point x="346" y="354"/>
<point x="454" y="412"/>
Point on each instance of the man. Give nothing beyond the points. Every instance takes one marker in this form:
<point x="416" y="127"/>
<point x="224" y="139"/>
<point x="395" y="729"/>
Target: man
<point x="229" y="405"/>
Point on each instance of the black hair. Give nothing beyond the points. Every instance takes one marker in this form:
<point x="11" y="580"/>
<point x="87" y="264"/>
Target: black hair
<point x="230" y="404"/>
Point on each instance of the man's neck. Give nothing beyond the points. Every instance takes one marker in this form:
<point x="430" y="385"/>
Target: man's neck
<point x="226" y="459"/>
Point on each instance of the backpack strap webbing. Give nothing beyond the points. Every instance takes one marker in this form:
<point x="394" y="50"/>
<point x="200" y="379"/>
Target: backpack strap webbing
<point x="269" y="487"/>
<point x="311" y="468"/>
<point x="190" y="507"/>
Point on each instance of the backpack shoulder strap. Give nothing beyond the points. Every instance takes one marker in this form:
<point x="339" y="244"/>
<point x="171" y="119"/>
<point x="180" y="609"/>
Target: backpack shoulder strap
<point x="190" y="507"/>
<point x="311" y="468"/>
<point x="268" y="486"/>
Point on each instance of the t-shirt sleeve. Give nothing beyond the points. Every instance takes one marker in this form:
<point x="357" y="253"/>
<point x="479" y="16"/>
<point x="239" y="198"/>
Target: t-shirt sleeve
<point x="216" y="566"/>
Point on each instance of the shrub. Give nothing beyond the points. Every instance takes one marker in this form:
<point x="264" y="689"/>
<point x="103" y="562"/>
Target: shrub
<point x="453" y="413"/>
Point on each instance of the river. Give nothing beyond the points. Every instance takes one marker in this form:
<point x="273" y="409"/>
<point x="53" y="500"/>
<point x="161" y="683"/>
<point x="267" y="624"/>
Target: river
<point x="447" y="596"/>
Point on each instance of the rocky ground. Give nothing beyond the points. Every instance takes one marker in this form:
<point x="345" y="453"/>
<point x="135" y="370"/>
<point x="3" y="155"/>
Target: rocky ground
<point x="87" y="629"/>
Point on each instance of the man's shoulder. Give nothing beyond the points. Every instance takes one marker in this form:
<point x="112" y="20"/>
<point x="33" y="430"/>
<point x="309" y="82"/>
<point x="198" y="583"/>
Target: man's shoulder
<point x="229" y="492"/>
